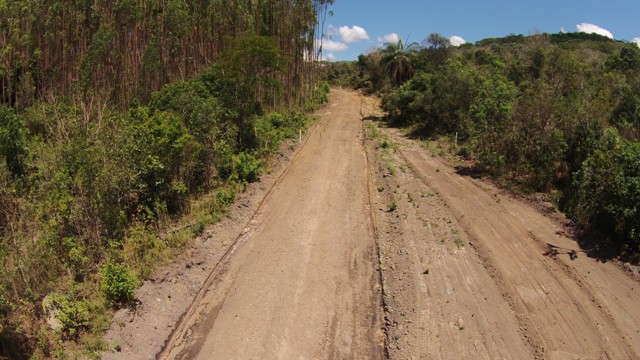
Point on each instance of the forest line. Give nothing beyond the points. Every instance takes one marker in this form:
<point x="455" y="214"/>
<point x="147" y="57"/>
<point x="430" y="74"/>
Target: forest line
<point x="121" y="121"/>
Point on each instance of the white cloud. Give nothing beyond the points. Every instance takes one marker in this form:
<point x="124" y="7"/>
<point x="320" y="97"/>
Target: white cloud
<point x="593" y="29"/>
<point x="330" y="45"/>
<point x="353" y="34"/>
<point x="457" y="40"/>
<point x="636" y="40"/>
<point x="392" y="38"/>
<point x="562" y="30"/>
<point x="330" y="57"/>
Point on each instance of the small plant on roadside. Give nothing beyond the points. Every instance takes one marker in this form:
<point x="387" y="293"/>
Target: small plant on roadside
<point x="72" y="314"/>
<point x="393" y="207"/>
<point x="373" y="131"/>
<point x="118" y="284"/>
<point x="198" y="228"/>
<point x="380" y="188"/>
<point x="247" y="167"/>
<point x="225" y="197"/>
<point x="464" y="151"/>
<point x="392" y="169"/>
<point x="410" y="197"/>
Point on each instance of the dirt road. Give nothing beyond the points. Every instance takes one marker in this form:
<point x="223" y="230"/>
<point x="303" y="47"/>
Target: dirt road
<point x="302" y="280"/>
<point x="365" y="246"/>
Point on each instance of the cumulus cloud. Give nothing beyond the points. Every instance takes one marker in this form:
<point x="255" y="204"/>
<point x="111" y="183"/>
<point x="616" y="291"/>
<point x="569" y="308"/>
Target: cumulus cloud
<point x="330" y="45"/>
<point x="392" y="38"/>
<point x="593" y="29"/>
<point x="636" y="40"/>
<point x="353" y="34"/>
<point x="329" y="57"/>
<point x="457" y="40"/>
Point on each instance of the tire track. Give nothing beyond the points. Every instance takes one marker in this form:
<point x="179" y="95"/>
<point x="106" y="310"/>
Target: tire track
<point x="560" y="315"/>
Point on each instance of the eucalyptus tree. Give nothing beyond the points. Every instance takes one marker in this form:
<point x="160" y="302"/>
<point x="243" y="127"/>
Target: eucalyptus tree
<point x="127" y="49"/>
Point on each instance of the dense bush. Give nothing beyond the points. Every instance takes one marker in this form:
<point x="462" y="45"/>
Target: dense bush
<point x="607" y="191"/>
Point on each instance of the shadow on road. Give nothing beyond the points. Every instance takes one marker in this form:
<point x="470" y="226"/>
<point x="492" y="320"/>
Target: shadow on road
<point x="598" y="246"/>
<point x="469" y="171"/>
<point x="554" y="250"/>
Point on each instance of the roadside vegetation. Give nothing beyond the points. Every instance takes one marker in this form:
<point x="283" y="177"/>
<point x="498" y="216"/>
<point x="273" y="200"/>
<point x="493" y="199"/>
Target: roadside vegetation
<point x="125" y="129"/>
<point x="550" y="113"/>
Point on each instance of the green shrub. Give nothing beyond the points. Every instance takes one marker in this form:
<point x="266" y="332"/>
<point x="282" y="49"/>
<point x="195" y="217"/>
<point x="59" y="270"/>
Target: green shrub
<point x="5" y="305"/>
<point x="143" y="249"/>
<point x="273" y="129"/>
<point x="242" y="167"/>
<point x="13" y="141"/>
<point x="76" y="255"/>
<point x="323" y="93"/>
<point x="198" y="228"/>
<point x="160" y="148"/>
<point x="225" y="196"/>
<point x="465" y="151"/>
<point x="118" y="284"/>
<point x="73" y="314"/>
<point x="224" y="162"/>
<point x="246" y="167"/>
<point x="606" y="191"/>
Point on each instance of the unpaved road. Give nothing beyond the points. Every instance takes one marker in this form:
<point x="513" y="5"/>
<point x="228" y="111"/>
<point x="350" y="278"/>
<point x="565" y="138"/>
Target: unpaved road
<point x="302" y="280"/>
<point x="368" y="247"/>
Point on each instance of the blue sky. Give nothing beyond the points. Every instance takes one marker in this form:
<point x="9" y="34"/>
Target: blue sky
<point x="360" y="25"/>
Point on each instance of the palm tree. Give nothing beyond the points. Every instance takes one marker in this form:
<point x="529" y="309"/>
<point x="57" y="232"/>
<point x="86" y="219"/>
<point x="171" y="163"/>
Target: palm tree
<point x="399" y="60"/>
